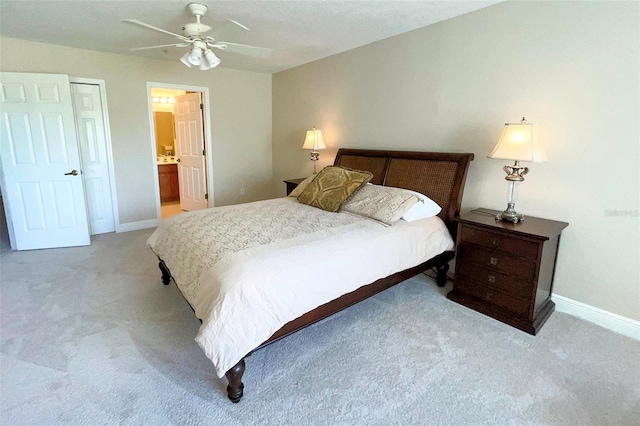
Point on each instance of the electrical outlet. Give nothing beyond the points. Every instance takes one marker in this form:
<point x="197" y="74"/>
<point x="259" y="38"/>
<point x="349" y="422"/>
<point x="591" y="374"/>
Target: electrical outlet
<point x="241" y="191"/>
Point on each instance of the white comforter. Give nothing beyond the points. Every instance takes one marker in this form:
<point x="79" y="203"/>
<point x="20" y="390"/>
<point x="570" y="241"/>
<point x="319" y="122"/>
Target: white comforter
<point x="249" y="269"/>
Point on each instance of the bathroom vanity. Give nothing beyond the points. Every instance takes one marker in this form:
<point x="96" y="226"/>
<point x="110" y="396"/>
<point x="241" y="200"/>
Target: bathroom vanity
<point x="168" y="181"/>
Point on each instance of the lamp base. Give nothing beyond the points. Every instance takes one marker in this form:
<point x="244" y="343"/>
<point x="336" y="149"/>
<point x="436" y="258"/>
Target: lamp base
<point x="315" y="155"/>
<point x="510" y="214"/>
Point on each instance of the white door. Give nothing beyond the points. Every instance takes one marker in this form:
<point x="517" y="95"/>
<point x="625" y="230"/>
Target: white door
<point x="93" y="149"/>
<point x="190" y="152"/>
<point x="42" y="192"/>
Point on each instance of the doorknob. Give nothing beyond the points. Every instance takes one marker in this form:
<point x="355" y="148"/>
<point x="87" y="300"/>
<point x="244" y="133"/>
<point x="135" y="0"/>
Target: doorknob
<point x="72" y="173"/>
<point x="177" y="160"/>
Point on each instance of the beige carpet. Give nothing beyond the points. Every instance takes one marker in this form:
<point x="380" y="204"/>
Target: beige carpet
<point x="90" y="336"/>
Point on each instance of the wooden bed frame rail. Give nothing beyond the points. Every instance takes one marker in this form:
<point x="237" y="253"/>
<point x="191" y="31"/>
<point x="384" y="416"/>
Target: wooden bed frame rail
<point x="439" y="176"/>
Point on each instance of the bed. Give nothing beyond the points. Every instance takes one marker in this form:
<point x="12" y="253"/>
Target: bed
<point x="245" y="269"/>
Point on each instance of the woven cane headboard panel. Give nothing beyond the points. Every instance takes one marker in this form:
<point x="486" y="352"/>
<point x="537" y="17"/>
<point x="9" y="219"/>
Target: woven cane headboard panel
<point x="375" y="165"/>
<point x="438" y="175"/>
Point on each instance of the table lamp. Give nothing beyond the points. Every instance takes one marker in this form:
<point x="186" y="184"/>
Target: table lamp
<point x="518" y="142"/>
<point x="314" y="142"/>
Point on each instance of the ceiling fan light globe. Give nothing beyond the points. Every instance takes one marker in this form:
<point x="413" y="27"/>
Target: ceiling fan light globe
<point x="195" y="58"/>
<point x="212" y="59"/>
<point x="185" y="59"/>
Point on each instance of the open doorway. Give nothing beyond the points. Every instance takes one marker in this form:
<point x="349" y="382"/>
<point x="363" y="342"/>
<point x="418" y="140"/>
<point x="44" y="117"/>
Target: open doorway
<point x="163" y="106"/>
<point x="181" y="143"/>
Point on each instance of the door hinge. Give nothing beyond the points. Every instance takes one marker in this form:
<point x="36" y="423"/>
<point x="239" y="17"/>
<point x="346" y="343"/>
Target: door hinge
<point x="203" y="152"/>
<point x="206" y="196"/>
<point x="201" y="106"/>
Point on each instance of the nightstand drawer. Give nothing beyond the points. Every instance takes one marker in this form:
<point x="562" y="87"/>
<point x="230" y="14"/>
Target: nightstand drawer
<point x="493" y="297"/>
<point x="494" y="241"/>
<point x="497" y="261"/>
<point x="508" y="284"/>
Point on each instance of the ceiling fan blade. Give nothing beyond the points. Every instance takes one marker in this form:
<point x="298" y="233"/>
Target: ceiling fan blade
<point x="162" y="45"/>
<point x="243" y="49"/>
<point x="238" y="24"/>
<point x="151" y="27"/>
<point x="228" y="28"/>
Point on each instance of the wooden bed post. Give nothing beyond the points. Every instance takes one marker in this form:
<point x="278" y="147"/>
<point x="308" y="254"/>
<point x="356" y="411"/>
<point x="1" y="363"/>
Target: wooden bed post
<point x="166" y="276"/>
<point x="236" y="387"/>
<point x="441" y="278"/>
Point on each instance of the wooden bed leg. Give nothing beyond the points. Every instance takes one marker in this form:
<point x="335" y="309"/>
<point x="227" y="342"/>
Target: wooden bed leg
<point x="166" y="276"/>
<point x="235" y="388"/>
<point x="441" y="279"/>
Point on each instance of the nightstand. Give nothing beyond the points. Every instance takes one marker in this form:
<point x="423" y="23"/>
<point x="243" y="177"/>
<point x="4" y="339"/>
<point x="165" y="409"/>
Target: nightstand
<point x="292" y="183"/>
<point x="505" y="270"/>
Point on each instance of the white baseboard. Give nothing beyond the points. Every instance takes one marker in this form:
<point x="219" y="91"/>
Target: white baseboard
<point x="136" y="226"/>
<point x="614" y="322"/>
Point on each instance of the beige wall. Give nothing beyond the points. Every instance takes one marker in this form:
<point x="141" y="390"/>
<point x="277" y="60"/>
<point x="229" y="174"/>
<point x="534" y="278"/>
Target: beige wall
<point x="571" y="66"/>
<point x="240" y="118"/>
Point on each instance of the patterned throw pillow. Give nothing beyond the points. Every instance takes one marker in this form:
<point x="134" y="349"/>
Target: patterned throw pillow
<point x="332" y="187"/>
<point x="385" y="204"/>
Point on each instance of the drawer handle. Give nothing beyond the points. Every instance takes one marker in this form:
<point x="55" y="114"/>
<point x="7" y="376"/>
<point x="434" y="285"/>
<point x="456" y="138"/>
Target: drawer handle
<point x="495" y="241"/>
<point x="491" y="279"/>
<point x="493" y="261"/>
<point x="488" y="296"/>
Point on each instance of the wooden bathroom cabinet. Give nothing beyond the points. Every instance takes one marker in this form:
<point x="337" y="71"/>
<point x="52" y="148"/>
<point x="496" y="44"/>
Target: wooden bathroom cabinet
<point x="168" y="180"/>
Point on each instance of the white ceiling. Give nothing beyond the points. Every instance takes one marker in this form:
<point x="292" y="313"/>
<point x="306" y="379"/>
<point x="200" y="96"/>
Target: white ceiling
<point x="298" y="31"/>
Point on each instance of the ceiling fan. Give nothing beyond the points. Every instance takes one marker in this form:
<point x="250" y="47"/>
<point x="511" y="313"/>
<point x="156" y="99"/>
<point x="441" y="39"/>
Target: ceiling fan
<point x="193" y="36"/>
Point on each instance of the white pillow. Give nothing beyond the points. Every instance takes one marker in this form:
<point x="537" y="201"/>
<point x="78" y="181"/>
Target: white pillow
<point x="427" y="208"/>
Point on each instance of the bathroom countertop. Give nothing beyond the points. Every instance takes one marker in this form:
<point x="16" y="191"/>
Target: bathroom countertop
<point x="167" y="161"/>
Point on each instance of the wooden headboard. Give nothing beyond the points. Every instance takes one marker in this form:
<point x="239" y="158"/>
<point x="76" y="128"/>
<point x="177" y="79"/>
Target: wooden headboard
<point x="438" y="175"/>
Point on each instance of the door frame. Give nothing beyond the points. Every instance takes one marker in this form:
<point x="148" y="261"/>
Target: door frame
<point x="107" y="134"/>
<point x="208" y="145"/>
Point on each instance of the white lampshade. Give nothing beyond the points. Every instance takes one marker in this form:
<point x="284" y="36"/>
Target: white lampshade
<point x="314" y="140"/>
<point x="520" y="142"/>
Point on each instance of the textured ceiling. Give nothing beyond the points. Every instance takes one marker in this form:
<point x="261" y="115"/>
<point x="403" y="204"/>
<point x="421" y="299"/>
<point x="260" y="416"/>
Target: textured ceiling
<point x="298" y="31"/>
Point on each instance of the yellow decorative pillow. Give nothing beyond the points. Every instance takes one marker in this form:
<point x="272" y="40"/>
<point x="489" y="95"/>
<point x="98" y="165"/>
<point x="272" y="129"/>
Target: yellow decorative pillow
<point x="332" y="187"/>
